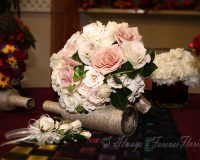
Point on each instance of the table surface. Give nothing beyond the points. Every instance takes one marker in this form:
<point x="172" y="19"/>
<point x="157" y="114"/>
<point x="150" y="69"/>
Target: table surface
<point x="187" y="119"/>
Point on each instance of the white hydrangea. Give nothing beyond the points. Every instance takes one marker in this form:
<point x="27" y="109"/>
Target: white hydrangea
<point x="175" y="66"/>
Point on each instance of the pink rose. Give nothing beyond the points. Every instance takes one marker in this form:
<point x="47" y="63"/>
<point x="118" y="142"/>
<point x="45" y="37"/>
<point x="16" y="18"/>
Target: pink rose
<point x="72" y="63"/>
<point x="127" y="34"/>
<point x="66" y="76"/>
<point x="106" y="60"/>
<point x="68" y="53"/>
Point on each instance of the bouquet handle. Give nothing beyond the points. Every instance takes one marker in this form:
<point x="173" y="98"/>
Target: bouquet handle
<point x="108" y="120"/>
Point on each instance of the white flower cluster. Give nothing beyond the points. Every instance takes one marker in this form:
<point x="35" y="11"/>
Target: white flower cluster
<point x="177" y="65"/>
<point x="101" y="49"/>
<point x="47" y="130"/>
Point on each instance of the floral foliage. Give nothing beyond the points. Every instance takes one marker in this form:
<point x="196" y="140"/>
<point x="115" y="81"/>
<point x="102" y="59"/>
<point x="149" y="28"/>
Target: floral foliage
<point x="102" y="64"/>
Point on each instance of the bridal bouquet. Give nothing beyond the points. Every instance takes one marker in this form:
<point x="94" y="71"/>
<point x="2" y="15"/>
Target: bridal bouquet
<point x="177" y="65"/>
<point x="102" y="64"/>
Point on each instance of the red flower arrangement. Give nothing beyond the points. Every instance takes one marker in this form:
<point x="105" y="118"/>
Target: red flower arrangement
<point x="195" y="45"/>
<point x="145" y="4"/>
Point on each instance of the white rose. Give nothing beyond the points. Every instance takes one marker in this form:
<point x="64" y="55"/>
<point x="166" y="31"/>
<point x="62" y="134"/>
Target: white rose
<point x="93" y="78"/>
<point x="56" y="61"/>
<point x="105" y="91"/>
<point x="108" y="38"/>
<point x="55" y="81"/>
<point x="86" y="134"/>
<point x="72" y="40"/>
<point x="135" y="53"/>
<point x="46" y="123"/>
<point x="88" y="106"/>
<point x="65" y="127"/>
<point x="85" y="50"/>
<point x="94" y="32"/>
<point x="76" y="124"/>
<point x="70" y="102"/>
<point x="83" y="90"/>
<point x="100" y="95"/>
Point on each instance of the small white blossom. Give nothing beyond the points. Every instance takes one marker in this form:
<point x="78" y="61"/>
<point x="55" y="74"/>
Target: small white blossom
<point x="86" y="134"/>
<point x="76" y="124"/>
<point x="65" y="127"/>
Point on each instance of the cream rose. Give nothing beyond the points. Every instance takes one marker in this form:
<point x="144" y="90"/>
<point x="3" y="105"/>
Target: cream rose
<point x="108" y="37"/>
<point x="86" y="134"/>
<point x="135" y="53"/>
<point x="107" y="59"/>
<point x="93" y="32"/>
<point x="70" y="102"/>
<point x="65" y="127"/>
<point x="123" y="34"/>
<point x="72" y="41"/>
<point x="83" y="90"/>
<point x="76" y="124"/>
<point x="93" y="78"/>
<point x="56" y="60"/>
<point x="46" y="123"/>
<point x="88" y="106"/>
<point x="85" y="50"/>
<point x="100" y="95"/>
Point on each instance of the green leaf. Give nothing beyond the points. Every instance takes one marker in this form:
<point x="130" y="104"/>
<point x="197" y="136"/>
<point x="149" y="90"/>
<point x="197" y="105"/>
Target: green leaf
<point x="76" y="57"/>
<point x="151" y="52"/>
<point x="79" y="73"/>
<point x="80" y="109"/>
<point x="70" y="88"/>
<point x="133" y="74"/>
<point x="125" y="68"/>
<point x="119" y="99"/>
<point x="72" y="137"/>
<point x="117" y="80"/>
<point x="148" y="69"/>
